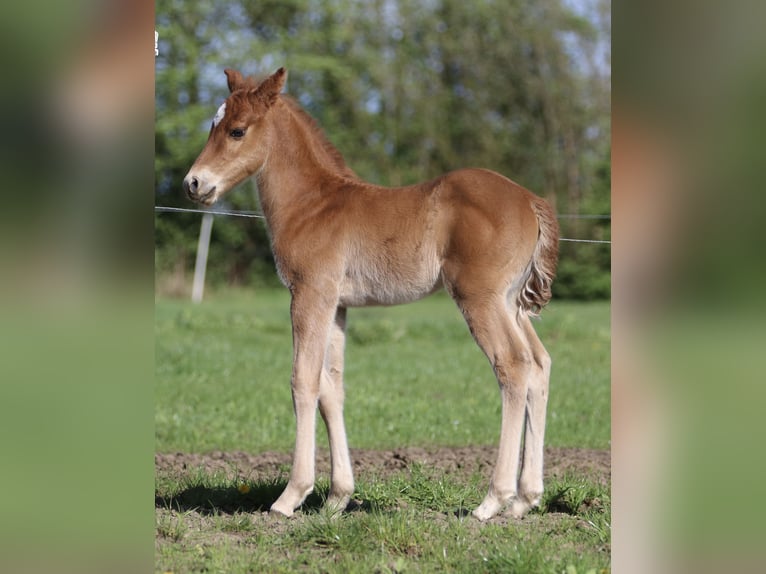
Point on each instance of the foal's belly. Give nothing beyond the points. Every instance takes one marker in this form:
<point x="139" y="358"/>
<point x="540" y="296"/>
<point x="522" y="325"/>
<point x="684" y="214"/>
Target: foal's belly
<point x="380" y="282"/>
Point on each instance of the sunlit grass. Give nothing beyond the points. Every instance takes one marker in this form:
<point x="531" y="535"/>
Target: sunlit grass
<point x="417" y="523"/>
<point x="413" y="376"/>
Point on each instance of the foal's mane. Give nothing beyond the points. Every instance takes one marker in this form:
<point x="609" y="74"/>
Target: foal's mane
<point x="314" y="131"/>
<point x="318" y="137"/>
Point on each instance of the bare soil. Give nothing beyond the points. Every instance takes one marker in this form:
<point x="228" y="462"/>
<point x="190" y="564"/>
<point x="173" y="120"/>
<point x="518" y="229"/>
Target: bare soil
<point x="457" y="461"/>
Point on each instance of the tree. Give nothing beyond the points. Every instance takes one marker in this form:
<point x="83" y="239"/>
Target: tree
<point x="406" y="90"/>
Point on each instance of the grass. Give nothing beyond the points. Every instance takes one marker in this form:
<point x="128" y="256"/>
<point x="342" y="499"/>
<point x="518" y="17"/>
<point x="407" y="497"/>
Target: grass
<point x="411" y="526"/>
<point x="413" y="377"/>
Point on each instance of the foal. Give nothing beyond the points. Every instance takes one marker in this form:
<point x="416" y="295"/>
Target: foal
<point x="340" y="242"/>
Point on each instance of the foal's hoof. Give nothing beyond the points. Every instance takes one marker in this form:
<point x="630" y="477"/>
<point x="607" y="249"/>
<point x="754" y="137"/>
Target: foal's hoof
<point x="335" y="505"/>
<point x="521" y="505"/>
<point x="487" y="510"/>
<point x="518" y="508"/>
<point x="276" y="512"/>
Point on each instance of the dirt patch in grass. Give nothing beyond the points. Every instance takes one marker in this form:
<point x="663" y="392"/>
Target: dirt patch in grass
<point x="205" y="517"/>
<point x="458" y="462"/>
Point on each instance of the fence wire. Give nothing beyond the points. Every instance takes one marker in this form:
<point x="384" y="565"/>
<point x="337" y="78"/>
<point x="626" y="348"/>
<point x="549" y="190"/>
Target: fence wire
<point x="256" y="215"/>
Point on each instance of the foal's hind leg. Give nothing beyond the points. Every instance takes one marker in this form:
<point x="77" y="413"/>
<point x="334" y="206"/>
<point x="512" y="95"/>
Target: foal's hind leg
<point x="331" y="397"/>
<point x="531" y="479"/>
<point x="503" y="341"/>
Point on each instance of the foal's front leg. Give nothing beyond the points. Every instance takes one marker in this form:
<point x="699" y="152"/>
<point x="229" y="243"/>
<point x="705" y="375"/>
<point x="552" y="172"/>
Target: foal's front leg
<point x="312" y="312"/>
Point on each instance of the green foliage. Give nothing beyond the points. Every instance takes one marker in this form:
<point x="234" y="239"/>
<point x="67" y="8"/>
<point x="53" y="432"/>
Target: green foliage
<point x="406" y="90"/>
<point x="584" y="269"/>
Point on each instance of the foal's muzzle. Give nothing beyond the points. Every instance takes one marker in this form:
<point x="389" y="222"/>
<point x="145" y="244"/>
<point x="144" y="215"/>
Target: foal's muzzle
<point x="197" y="190"/>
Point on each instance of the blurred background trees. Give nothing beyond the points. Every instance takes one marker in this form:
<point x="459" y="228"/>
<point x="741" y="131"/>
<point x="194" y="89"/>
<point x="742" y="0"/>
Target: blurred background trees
<point x="407" y="90"/>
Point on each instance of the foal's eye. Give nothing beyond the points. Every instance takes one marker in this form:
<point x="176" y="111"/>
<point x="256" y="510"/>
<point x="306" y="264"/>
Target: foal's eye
<point x="237" y="133"/>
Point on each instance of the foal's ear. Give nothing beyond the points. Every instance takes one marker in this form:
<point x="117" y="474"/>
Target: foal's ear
<point x="269" y="89"/>
<point x="234" y="79"/>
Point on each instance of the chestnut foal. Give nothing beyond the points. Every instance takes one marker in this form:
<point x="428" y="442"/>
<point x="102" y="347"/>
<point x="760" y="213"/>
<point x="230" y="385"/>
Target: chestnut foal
<point x="340" y="242"/>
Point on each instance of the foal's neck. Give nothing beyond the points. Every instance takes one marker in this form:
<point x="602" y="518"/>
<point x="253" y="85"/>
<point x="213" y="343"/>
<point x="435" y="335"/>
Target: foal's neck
<point x="299" y="168"/>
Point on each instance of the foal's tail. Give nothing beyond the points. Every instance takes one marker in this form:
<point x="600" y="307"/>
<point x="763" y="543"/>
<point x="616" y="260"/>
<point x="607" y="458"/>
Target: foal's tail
<point x="536" y="292"/>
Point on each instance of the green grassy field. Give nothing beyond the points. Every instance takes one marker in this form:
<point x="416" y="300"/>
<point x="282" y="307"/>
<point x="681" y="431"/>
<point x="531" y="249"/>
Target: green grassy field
<point x="414" y="377"/>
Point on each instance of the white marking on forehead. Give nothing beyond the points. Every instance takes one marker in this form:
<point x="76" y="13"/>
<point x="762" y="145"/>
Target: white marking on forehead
<point x="219" y="114"/>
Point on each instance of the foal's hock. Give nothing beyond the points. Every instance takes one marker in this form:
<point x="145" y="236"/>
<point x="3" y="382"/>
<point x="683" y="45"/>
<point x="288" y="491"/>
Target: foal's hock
<point x="340" y="242"/>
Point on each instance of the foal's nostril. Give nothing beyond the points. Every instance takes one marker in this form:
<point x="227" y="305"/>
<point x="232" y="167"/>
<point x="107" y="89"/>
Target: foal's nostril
<point x="191" y="185"/>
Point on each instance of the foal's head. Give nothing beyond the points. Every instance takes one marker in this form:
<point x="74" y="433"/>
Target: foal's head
<point x="239" y="140"/>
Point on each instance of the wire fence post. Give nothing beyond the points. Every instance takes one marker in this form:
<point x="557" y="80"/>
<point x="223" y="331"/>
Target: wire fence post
<point x="200" y="265"/>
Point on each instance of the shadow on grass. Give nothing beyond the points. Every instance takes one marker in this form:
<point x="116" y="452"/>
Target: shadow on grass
<point x="256" y="497"/>
<point x="462" y="512"/>
<point x="574" y="497"/>
<point x="216" y="500"/>
<point x="558" y="502"/>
